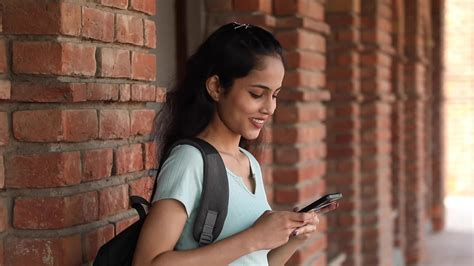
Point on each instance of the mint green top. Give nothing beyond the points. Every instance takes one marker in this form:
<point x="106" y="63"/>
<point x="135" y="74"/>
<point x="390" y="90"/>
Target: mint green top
<point x="181" y="179"/>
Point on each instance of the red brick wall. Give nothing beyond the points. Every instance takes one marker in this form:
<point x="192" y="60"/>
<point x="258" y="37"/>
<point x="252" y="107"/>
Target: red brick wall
<point x="75" y="78"/>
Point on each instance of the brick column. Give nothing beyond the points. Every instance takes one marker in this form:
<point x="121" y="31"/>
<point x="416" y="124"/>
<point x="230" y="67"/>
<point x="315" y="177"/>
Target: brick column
<point x="415" y="124"/>
<point x="398" y="124"/>
<point x="344" y="136"/>
<point x="299" y="131"/>
<point x="75" y="131"/>
<point x="438" y="151"/>
<point x="377" y="216"/>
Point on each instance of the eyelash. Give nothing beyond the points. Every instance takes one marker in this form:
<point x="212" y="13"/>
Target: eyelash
<point x="256" y="96"/>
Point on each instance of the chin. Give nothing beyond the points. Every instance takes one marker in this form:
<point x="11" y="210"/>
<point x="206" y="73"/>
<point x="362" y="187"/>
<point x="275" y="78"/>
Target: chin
<point x="251" y="135"/>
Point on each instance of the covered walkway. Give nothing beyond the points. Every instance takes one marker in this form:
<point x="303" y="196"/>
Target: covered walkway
<point x="455" y="245"/>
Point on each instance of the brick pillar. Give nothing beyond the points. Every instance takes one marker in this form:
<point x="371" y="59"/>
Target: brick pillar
<point x="438" y="151"/>
<point x="398" y="125"/>
<point x="299" y="131"/>
<point x="4" y="134"/>
<point x="377" y="215"/>
<point x="75" y="130"/>
<point x="415" y="123"/>
<point x="344" y="136"/>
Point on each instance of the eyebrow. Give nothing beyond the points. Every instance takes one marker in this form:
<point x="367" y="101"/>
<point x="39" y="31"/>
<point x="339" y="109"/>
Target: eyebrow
<point x="263" y="87"/>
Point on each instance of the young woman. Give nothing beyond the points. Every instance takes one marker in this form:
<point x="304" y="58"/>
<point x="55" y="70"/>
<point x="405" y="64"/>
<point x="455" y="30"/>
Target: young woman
<point x="228" y="93"/>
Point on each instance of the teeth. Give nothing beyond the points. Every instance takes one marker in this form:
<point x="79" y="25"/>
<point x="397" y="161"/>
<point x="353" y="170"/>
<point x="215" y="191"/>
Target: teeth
<point x="260" y="121"/>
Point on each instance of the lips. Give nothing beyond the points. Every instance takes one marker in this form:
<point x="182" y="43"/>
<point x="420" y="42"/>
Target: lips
<point x="257" y="122"/>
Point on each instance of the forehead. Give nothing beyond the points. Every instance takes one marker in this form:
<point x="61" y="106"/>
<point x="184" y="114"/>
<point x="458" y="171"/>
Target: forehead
<point x="270" y="73"/>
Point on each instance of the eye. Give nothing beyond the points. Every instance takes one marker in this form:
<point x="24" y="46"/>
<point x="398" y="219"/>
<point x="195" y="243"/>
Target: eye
<point x="255" y="96"/>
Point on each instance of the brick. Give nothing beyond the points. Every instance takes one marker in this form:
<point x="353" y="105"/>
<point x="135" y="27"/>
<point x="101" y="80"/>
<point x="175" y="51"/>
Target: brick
<point x="2" y="248"/>
<point x="128" y="159"/>
<point x="292" y="135"/>
<point x="343" y="6"/>
<point x="218" y="5"/>
<point x="303" y="95"/>
<point x="143" y="66"/>
<point x="43" y="170"/>
<point x="292" y="155"/>
<point x="3" y="57"/>
<point x="37" y="212"/>
<point x="55" y="125"/>
<point x="31" y="17"/>
<point x="4" y="135"/>
<point x="38" y="125"/>
<point x="124" y="92"/>
<point x="5" y="89"/>
<point x="129" y="29"/>
<point x="294" y="195"/>
<point x="97" y="24"/>
<point x="44" y="57"/>
<point x="80" y="125"/>
<point x="70" y="21"/>
<point x="48" y="92"/>
<point x="2" y="173"/>
<point x="299" y="113"/>
<point x="97" y="164"/>
<point x="93" y="240"/>
<point x="143" y="93"/>
<point x="145" y="6"/>
<point x="302" y="39"/>
<point x="311" y="79"/>
<point x="63" y="250"/>
<point x="297" y="174"/>
<point x="309" y="8"/>
<point x="3" y="215"/>
<point x="114" y="63"/>
<point x="122" y="4"/>
<point x="113" y="200"/>
<point x="142" y="121"/>
<point x="122" y="224"/>
<point x="150" y="33"/>
<point x="102" y="92"/>
<point x="305" y="60"/>
<point x="114" y="124"/>
<point x="150" y="155"/>
<point x="253" y="5"/>
<point x="142" y="187"/>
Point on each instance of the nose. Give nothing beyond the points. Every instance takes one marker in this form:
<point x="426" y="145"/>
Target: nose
<point x="269" y="106"/>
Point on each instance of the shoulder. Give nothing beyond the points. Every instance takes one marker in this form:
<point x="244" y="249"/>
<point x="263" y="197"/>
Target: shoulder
<point x="184" y="153"/>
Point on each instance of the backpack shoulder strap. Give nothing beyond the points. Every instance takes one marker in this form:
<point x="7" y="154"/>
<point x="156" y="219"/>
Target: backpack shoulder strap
<point x="215" y="193"/>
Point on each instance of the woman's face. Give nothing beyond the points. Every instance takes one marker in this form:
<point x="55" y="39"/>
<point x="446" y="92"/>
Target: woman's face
<point x="252" y="99"/>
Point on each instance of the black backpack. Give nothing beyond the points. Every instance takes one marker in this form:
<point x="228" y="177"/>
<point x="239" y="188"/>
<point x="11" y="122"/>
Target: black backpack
<point x="209" y="221"/>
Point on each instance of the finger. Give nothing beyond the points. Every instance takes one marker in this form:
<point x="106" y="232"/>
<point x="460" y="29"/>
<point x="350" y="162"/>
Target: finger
<point x="301" y="216"/>
<point x="307" y="229"/>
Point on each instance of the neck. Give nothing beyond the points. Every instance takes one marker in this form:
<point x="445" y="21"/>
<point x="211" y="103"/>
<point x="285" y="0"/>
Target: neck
<point x="220" y="136"/>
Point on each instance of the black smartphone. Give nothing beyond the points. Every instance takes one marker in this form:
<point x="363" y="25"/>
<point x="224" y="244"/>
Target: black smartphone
<point x="322" y="202"/>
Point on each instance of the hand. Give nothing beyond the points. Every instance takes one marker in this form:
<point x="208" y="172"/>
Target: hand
<point x="273" y="228"/>
<point x="304" y="232"/>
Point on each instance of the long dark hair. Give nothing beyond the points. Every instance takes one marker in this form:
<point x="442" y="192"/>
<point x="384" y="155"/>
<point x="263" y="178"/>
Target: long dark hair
<point x="231" y="52"/>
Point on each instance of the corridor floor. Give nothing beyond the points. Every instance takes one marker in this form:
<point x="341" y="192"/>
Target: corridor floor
<point x="455" y="245"/>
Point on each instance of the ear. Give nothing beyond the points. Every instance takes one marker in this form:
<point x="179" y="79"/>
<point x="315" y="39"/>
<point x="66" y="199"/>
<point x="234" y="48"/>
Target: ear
<point x="213" y="87"/>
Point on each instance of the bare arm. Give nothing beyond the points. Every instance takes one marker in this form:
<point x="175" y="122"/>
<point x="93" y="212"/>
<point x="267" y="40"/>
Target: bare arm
<point x="161" y="231"/>
<point x="166" y="221"/>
